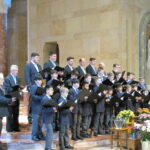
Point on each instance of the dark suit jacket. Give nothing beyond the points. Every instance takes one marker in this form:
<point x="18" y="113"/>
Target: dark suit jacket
<point x="100" y="106"/>
<point x="81" y="73"/>
<point x="90" y="70"/>
<point x="49" y="64"/>
<point x="64" y="113"/>
<point x="36" y="100"/>
<point x="8" y="84"/>
<point x="47" y="111"/>
<point x="4" y="104"/>
<point x="30" y="72"/>
<point x="67" y="70"/>
<point x="73" y="96"/>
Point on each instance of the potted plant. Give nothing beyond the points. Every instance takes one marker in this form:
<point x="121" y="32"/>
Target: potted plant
<point x="126" y="115"/>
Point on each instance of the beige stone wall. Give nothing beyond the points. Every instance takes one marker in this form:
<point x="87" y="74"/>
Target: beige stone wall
<point x="105" y="29"/>
<point x="17" y="35"/>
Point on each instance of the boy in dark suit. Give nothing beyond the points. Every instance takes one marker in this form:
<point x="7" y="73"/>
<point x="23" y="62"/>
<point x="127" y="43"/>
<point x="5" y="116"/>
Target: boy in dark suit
<point x="91" y="69"/>
<point x="64" y="120"/>
<point x="87" y="112"/>
<point x="36" y="109"/>
<point x="48" y="115"/>
<point x="76" y="113"/>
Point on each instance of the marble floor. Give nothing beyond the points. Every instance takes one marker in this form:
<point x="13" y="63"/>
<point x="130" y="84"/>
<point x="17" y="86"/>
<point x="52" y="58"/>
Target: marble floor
<point x="22" y="140"/>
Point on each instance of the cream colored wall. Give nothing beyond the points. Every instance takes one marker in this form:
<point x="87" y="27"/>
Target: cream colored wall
<point x="105" y="29"/>
<point x="17" y="35"/>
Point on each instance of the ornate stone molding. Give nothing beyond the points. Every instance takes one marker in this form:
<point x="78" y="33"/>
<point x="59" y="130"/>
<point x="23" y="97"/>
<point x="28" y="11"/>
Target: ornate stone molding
<point x="4" y="5"/>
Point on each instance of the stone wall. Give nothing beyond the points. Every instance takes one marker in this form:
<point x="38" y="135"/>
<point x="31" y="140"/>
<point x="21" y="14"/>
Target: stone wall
<point x="2" y="44"/>
<point x="105" y="29"/>
<point x="17" y="35"/>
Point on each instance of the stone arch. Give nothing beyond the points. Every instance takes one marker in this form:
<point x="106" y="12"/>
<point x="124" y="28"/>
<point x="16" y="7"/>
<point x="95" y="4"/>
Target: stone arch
<point x="143" y="49"/>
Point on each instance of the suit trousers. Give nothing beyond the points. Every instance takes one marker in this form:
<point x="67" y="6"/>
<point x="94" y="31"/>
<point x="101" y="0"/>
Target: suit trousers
<point x="86" y="122"/>
<point x="98" y="122"/>
<point x="108" y="120"/>
<point x="63" y="136"/>
<point x="49" y="136"/>
<point x="36" y="125"/>
<point x="76" y="124"/>
<point x="13" y="118"/>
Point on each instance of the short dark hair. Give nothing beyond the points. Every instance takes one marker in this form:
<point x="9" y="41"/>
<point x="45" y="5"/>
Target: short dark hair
<point x="48" y="87"/>
<point x="53" y="71"/>
<point x="114" y="65"/>
<point x="38" y="77"/>
<point x="51" y="53"/>
<point x="34" y="54"/>
<point x="69" y="58"/>
<point x="92" y="58"/>
<point x="74" y="81"/>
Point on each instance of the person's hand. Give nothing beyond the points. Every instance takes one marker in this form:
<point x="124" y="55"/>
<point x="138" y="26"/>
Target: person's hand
<point x="54" y="108"/>
<point x="71" y="108"/>
<point x="85" y="98"/>
<point x="107" y="100"/>
<point x="95" y="100"/>
<point x="105" y="92"/>
<point x="13" y="99"/>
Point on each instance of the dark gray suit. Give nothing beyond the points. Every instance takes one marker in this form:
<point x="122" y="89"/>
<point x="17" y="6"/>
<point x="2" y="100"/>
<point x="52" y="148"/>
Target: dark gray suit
<point x="49" y="64"/>
<point x="91" y="71"/>
<point x="30" y="72"/>
<point x="3" y="107"/>
<point x="80" y="71"/>
<point x="13" y="118"/>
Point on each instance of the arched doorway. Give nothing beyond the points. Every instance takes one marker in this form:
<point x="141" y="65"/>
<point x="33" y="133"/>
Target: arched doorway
<point x="48" y="47"/>
<point x="144" y="52"/>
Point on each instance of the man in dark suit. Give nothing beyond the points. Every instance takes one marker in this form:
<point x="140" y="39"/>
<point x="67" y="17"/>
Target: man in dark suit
<point x="4" y="101"/>
<point x="31" y="69"/>
<point x="36" y="109"/>
<point x="64" y="120"/>
<point x="10" y="82"/>
<point x="91" y="69"/>
<point x="99" y="114"/>
<point x="69" y="67"/>
<point x="52" y="61"/>
<point x="81" y="68"/>
<point x="116" y="68"/>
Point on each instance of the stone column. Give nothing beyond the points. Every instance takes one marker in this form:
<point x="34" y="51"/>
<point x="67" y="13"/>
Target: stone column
<point x="4" y="5"/>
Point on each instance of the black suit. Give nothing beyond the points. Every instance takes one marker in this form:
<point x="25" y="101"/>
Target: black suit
<point x="91" y="71"/>
<point x="80" y="71"/>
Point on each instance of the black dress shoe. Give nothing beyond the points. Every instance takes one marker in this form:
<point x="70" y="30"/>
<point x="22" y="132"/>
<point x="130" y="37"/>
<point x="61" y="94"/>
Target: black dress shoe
<point x="79" y="137"/>
<point x="69" y="147"/>
<point x="74" y="139"/>
<point x="41" y="138"/>
<point x="34" y="138"/>
<point x="95" y="134"/>
<point x="17" y="130"/>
